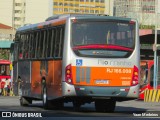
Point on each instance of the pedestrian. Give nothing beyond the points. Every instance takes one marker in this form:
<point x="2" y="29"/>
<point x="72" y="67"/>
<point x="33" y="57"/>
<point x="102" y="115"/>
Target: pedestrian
<point x="6" y="87"/>
<point x="2" y="87"/>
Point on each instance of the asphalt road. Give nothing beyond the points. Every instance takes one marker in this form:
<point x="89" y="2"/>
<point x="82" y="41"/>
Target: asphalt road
<point x="128" y="109"/>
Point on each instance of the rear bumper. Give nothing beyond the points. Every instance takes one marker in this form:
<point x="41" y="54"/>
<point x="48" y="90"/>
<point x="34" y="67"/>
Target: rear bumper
<point x="94" y="91"/>
<point x="106" y="91"/>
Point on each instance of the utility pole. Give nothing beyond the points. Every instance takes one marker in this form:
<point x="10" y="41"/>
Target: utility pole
<point x="155" y="42"/>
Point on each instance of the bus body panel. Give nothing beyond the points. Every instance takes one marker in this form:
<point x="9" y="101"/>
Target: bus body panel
<point x="91" y="77"/>
<point x="109" y="73"/>
<point x="32" y="83"/>
<point x="101" y="76"/>
<point x="54" y="79"/>
<point x="36" y="79"/>
<point x="84" y="79"/>
<point x="24" y="73"/>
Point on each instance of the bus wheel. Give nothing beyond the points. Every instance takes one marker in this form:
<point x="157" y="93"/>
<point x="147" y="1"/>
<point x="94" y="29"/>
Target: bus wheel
<point x="25" y="102"/>
<point x="56" y="104"/>
<point x="44" y="95"/>
<point x="105" y="105"/>
<point x="76" y="105"/>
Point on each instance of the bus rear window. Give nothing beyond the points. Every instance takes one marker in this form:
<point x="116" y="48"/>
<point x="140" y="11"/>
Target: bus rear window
<point x="103" y="39"/>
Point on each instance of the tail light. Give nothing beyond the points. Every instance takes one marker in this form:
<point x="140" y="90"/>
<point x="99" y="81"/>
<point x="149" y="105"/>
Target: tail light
<point x="68" y="74"/>
<point x="135" y="76"/>
<point x="131" y="22"/>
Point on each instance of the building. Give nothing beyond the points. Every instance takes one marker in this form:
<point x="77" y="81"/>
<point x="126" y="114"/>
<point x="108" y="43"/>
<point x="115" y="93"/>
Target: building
<point x="17" y="13"/>
<point x="31" y="11"/>
<point x="83" y="7"/>
<point x="38" y="10"/>
<point x="21" y="12"/>
<point x="6" y="32"/>
<point x="6" y="12"/>
<point x="6" y="38"/>
<point x="143" y="10"/>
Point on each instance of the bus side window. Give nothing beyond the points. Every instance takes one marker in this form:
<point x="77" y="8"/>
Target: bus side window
<point x="2" y="70"/>
<point x="34" y="37"/>
<point x="30" y="45"/>
<point x="143" y="76"/>
<point x="56" y="43"/>
<point x="36" y="43"/>
<point x="146" y="80"/>
<point x="41" y="44"/>
<point x="20" y="46"/>
<point x="26" y="46"/>
<point x="45" y="46"/>
<point x="49" y="43"/>
<point x="7" y="70"/>
<point x="59" y="42"/>
<point x="53" y="38"/>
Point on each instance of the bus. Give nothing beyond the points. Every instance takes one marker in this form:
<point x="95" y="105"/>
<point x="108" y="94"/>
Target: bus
<point x="5" y="72"/>
<point x="78" y="58"/>
<point x="146" y="77"/>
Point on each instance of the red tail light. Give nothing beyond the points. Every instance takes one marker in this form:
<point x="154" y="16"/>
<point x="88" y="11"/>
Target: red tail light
<point x="68" y="74"/>
<point x="132" y="22"/>
<point x="135" y="76"/>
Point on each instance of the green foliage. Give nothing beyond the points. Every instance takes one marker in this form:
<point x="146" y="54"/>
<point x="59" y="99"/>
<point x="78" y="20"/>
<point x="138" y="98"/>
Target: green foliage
<point x="146" y="26"/>
<point x="4" y="54"/>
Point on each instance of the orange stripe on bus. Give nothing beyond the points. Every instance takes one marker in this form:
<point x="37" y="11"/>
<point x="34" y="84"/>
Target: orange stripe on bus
<point x="103" y="76"/>
<point x="58" y="22"/>
<point x="55" y="22"/>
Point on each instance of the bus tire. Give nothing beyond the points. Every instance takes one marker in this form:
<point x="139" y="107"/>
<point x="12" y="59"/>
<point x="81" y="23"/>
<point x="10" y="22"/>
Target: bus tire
<point x="44" y="95"/>
<point x="56" y="104"/>
<point x="76" y="105"/>
<point x="105" y="105"/>
<point x="24" y="101"/>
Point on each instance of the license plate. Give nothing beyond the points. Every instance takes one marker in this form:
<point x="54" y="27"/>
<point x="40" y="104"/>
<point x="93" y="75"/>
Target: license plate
<point x="102" y="81"/>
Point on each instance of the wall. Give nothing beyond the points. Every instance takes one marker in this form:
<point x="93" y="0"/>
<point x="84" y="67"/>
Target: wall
<point x="6" y="12"/>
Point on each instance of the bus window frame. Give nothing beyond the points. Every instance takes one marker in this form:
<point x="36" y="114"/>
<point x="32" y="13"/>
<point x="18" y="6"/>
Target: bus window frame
<point x="59" y="43"/>
<point x="51" y="32"/>
<point x="40" y="42"/>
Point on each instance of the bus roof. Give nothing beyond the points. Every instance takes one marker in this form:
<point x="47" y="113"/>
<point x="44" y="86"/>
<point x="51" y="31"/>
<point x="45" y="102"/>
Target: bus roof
<point x="28" y="27"/>
<point x="49" y="21"/>
<point x="86" y="15"/>
<point x="4" y="61"/>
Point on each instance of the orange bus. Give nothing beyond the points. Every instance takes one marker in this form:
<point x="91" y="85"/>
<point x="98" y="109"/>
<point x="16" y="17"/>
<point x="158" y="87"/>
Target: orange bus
<point x="79" y="59"/>
<point x="146" y="77"/>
